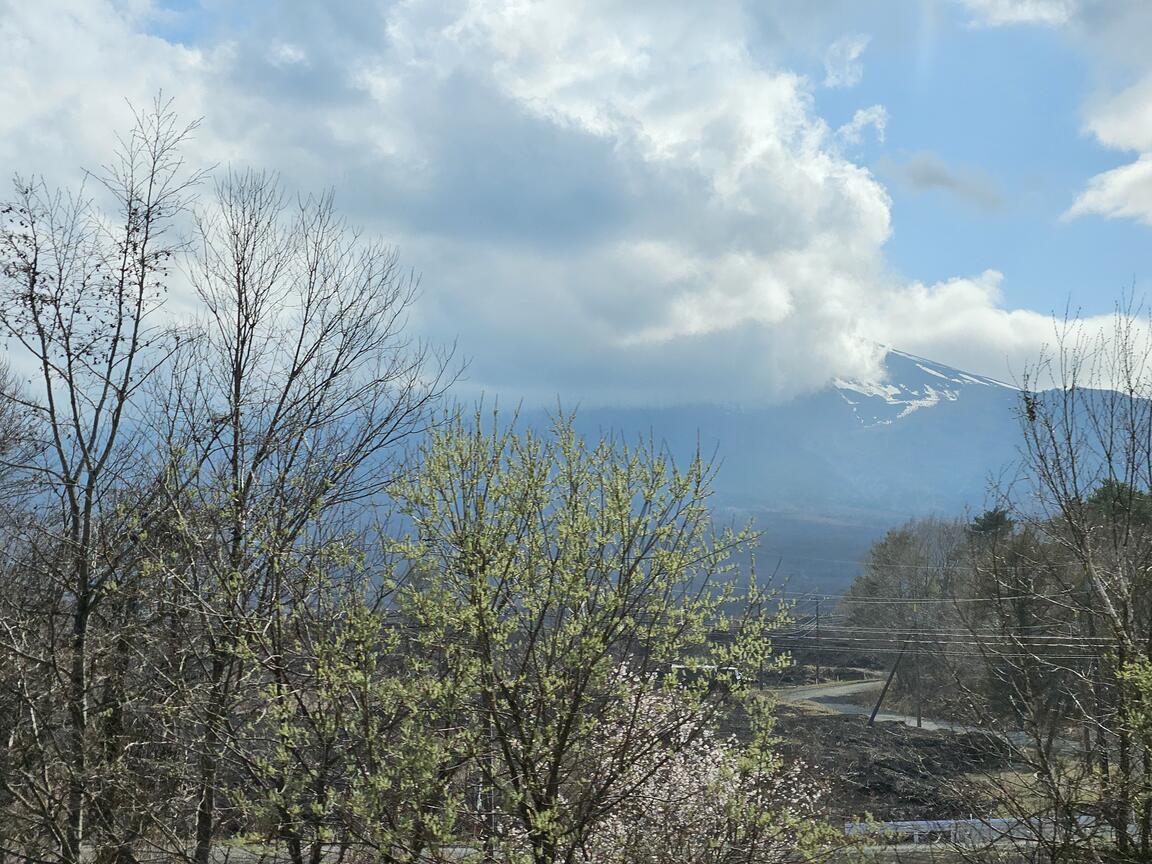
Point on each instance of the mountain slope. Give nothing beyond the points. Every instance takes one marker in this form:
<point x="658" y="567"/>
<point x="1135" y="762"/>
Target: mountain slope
<point x="912" y="383"/>
<point x="826" y="474"/>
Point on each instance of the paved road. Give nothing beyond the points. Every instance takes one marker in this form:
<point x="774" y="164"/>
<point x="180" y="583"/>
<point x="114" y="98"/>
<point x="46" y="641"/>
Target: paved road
<point x="832" y="690"/>
<point x="884" y="717"/>
<point x="825" y="695"/>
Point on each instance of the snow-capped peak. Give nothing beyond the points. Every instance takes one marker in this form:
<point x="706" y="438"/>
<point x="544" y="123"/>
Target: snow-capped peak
<point x="910" y="383"/>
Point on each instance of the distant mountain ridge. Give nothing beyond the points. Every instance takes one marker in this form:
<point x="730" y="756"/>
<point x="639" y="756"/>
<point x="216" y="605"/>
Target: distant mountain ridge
<point x="826" y="474"/>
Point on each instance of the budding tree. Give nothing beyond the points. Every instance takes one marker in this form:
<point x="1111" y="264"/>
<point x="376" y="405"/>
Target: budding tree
<point x="285" y="420"/>
<point x="577" y="576"/>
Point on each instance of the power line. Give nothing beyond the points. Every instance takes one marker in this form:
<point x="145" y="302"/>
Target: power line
<point x="848" y="598"/>
<point x="974" y="635"/>
<point x="870" y="564"/>
<point x="950" y="637"/>
<point x="1040" y="658"/>
<point x="960" y="649"/>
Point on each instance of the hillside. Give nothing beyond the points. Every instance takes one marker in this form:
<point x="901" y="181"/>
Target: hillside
<point x="826" y="474"/>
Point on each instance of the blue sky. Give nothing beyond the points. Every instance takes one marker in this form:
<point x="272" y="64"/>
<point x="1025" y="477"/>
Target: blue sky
<point x="666" y="201"/>
<point x="1001" y="108"/>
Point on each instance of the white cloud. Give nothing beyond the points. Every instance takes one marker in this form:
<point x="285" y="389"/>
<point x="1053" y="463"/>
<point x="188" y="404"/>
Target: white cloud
<point x="619" y="201"/>
<point x="961" y="322"/>
<point x="287" y="54"/>
<point x="69" y="69"/>
<point x="747" y="221"/>
<point x="1122" y="121"/>
<point x="874" y="116"/>
<point x="1122" y="192"/>
<point x="997" y="13"/>
<point x="1114" y="35"/>
<point x="842" y="66"/>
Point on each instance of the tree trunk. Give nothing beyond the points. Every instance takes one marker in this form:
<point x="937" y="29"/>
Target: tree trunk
<point x="77" y="723"/>
<point x="210" y="763"/>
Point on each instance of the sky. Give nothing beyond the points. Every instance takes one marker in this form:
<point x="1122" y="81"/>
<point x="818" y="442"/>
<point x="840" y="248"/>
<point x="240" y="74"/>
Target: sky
<point x="646" y="202"/>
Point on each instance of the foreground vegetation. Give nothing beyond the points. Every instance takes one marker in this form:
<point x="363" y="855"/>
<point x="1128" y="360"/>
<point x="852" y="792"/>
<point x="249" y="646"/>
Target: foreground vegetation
<point x="262" y="593"/>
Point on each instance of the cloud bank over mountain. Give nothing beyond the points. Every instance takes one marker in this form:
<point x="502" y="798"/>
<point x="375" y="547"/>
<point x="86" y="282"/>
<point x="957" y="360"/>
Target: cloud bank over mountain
<point x="616" y="201"/>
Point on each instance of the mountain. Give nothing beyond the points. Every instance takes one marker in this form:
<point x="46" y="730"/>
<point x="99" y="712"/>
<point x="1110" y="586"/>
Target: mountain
<point x="912" y="383"/>
<point x="826" y="474"/>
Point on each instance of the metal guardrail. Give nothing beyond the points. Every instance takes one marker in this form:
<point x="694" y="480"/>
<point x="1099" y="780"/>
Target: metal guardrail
<point x="965" y="832"/>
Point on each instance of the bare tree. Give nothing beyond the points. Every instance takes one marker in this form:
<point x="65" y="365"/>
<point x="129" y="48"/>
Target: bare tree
<point x="289" y="415"/>
<point x="1065" y="628"/>
<point x="80" y="293"/>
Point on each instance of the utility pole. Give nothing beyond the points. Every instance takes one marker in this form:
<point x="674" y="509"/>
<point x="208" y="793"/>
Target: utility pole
<point x="919" y="699"/>
<point x="817" y="641"/>
<point x="884" y="692"/>
<point x="916" y="636"/>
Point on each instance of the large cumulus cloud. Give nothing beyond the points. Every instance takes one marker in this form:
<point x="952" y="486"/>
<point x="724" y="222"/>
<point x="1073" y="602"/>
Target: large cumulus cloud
<point x="614" y="201"/>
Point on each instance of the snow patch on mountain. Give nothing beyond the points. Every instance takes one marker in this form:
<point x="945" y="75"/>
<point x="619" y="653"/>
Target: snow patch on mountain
<point x="910" y="384"/>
